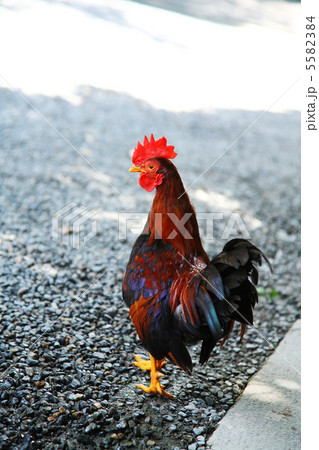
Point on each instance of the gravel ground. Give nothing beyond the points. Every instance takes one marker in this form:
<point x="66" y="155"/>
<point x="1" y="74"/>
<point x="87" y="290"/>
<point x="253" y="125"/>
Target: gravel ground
<point x="66" y="341"/>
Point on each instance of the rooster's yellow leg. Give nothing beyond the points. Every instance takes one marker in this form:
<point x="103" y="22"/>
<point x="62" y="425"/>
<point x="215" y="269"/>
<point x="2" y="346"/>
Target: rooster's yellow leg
<point x="146" y="365"/>
<point x="153" y="365"/>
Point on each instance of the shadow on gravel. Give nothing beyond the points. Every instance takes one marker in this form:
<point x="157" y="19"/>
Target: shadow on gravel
<point x="66" y="341"/>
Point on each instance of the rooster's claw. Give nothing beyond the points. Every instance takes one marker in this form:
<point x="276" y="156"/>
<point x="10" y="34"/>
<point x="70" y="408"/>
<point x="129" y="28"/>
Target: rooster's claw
<point x="155" y="388"/>
<point x="154" y="366"/>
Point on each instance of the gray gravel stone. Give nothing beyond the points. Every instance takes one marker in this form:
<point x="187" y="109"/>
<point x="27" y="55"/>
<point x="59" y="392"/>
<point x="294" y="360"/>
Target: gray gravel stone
<point x="198" y="431"/>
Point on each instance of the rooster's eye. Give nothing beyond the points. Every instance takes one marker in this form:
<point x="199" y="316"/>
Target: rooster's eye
<point x="150" y="167"/>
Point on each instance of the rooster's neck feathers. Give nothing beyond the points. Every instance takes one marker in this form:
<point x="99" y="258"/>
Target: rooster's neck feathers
<point x="172" y="217"/>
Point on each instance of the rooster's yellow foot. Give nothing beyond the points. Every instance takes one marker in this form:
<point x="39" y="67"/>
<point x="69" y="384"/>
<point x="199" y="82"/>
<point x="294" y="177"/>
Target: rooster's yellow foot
<point x="154" y="366"/>
<point x="155" y="386"/>
<point x="157" y="389"/>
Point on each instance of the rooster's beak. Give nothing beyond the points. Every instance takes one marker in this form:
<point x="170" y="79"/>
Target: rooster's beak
<point x="136" y="169"/>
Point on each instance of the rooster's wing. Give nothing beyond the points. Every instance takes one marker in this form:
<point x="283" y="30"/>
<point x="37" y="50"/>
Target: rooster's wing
<point x="146" y="291"/>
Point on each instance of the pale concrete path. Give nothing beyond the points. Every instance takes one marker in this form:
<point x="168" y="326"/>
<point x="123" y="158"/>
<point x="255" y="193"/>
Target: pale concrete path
<point x="267" y="416"/>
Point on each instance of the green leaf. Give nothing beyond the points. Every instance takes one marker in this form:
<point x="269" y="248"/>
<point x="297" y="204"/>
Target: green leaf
<point x="273" y="293"/>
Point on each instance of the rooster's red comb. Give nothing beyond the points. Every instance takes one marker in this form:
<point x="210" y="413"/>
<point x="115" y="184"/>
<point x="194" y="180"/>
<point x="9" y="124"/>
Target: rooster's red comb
<point x="152" y="149"/>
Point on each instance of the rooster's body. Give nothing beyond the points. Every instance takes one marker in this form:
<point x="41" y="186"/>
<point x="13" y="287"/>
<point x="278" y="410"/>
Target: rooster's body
<point x="177" y="296"/>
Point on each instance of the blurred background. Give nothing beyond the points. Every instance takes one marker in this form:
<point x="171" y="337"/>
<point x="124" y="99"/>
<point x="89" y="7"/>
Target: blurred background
<point x="82" y="82"/>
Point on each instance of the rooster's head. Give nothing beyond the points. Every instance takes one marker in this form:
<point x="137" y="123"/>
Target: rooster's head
<point x="146" y="161"/>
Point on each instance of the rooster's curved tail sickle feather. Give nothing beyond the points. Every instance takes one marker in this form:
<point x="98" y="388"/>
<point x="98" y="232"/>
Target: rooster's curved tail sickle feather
<point x="227" y="291"/>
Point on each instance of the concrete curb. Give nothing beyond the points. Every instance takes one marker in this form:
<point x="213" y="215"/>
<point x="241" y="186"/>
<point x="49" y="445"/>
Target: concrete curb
<point x="267" y="415"/>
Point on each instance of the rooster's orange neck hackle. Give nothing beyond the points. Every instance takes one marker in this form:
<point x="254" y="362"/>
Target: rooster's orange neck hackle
<point x="172" y="217"/>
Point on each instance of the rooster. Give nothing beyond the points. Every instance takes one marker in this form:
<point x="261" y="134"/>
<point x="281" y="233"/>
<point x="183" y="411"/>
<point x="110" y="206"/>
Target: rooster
<point x="178" y="296"/>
